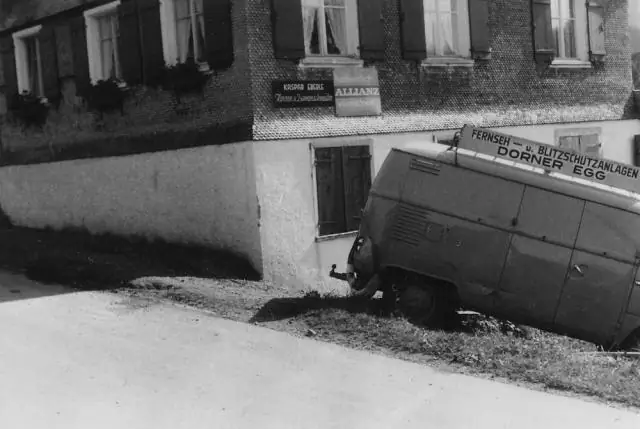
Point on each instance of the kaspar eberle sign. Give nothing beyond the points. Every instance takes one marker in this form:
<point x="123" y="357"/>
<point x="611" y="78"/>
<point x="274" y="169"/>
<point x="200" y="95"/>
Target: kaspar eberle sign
<point x="303" y="93"/>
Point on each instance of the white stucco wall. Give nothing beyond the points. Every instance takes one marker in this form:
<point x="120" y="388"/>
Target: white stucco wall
<point x="285" y="186"/>
<point x="204" y="195"/>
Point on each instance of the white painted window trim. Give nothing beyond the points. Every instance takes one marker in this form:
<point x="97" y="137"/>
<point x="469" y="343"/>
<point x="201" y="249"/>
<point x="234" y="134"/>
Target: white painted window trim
<point x="582" y="39"/>
<point x="353" y="40"/>
<point x="464" y="35"/>
<point x="22" y="71"/>
<point x="93" y="37"/>
<point x="169" y="34"/>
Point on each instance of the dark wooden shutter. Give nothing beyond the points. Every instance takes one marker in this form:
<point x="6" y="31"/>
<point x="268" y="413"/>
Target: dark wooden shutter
<point x="329" y="182"/>
<point x="7" y="55"/>
<point x="413" y="37"/>
<point x="371" y="23"/>
<point x="219" y="33"/>
<point x="543" y="39"/>
<point x="80" y="56"/>
<point x="129" y="42"/>
<point x="636" y="149"/>
<point x="356" y="162"/>
<point x="479" y="28"/>
<point x="595" y="15"/>
<point x="151" y="36"/>
<point x="288" y="30"/>
<point x="49" y="63"/>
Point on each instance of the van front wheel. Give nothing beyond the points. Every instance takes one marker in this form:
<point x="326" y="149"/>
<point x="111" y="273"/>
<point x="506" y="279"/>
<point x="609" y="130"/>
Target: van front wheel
<point x="423" y="303"/>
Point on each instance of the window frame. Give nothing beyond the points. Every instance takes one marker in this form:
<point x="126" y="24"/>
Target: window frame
<point x="353" y="40"/>
<point x="94" y="41"/>
<point x="325" y="144"/>
<point x="170" y="34"/>
<point x="22" y="62"/>
<point x="464" y="33"/>
<point x="581" y="30"/>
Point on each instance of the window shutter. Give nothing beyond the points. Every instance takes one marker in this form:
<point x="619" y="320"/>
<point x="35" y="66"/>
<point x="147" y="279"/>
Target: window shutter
<point x="595" y="14"/>
<point x="129" y="42"/>
<point x="636" y="149"/>
<point x="544" y="41"/>
<point x="151" y="37"/>
<point x="330" y="190"/>
<point x="219" y="33"/>
<point x="479" y="28"/>
<point x="80" y="56"/>
<point x="413" y="37"/>
<point x="7" y="56"/>
<point x="49" y="63"/>
<point x="371" y="23"/>
<point x="569" y="143"/>
<point x="288" y="31"/>
<point x="356" y="161"/>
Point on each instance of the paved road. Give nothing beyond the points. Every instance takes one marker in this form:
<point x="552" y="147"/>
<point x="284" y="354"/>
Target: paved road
<point x="92" y="360"/>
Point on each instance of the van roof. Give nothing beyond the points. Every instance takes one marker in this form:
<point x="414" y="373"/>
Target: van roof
<point x="523" y="173"/>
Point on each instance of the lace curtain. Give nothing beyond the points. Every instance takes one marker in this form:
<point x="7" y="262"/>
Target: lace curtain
<point x="440" y="17"/>
<point x="335" y="26"/>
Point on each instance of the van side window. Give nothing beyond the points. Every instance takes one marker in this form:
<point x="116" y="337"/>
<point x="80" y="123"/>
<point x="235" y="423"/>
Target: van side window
<point x="343" y="180"/>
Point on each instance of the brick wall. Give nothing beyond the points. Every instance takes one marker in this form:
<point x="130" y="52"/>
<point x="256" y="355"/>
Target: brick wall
<point x="148" y="112"/>
<point x="507" y="90"/>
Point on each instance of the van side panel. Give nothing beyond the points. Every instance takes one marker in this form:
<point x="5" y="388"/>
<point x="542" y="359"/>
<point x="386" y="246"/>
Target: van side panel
<point x="445" y="226"/>
<point x="463" y="193"/>
<point x="600" y="275"/>
<point x="537" y="263"/>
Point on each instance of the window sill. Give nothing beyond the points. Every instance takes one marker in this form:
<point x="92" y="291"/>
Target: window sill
<point x="350" y="234"/>
<point x="330" y="62"/>
<point x="448" y="62"/>
<point x="570" y="64"/>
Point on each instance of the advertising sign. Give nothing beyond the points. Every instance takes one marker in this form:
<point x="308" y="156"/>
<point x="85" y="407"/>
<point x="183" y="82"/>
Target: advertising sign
<point x="551" y="158"/>
<point x="357" y="91"/>
<point x="302" y="93"/>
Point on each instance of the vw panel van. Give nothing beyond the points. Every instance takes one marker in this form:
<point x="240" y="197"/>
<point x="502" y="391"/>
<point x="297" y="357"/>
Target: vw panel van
<point x="446" y="227"/>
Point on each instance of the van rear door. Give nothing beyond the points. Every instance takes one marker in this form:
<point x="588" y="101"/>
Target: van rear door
<point x="601" y="273"/>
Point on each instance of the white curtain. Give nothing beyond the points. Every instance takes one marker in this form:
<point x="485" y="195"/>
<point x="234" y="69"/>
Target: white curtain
<point x="197" y="4"/>
<point x="337" y="19"/>
<point x="310" y="9"/>
<point x="183" y="28"/>
<point x="107" y="48"/>
<point x="440" y="27"/>
<point x="447" y="46"/>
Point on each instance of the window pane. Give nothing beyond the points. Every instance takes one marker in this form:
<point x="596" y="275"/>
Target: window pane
<point x="555" y="8"/>
<point x="336" y="27"/>
<point x="181" y="9"/>
<point x="104" y="23"/>
<point x="569" y="33"/>
<point x="431" y="26"/>
<point x="555" y="25"/>
<point x="334" y="3"/>
<point x="566" y="9"/>
<point x="310" y="14"/>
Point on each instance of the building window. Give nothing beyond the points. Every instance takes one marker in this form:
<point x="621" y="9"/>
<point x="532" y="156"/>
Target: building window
<point x="330" y="27"/>
<point x="569" y="26"/>
<point x="588" y="144"/>
<point x="183" y="36"/>
<point x="343" y="180"/>
<point x="447" y="28"/>
<point x="102" y="42"/>
<point x="28" y="61"/>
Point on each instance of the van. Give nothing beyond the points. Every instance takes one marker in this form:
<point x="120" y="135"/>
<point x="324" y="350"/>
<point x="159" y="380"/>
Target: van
<point x="446" y="226"/>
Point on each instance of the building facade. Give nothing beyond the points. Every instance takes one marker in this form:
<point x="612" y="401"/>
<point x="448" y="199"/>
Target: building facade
<point x="205" y="145"/>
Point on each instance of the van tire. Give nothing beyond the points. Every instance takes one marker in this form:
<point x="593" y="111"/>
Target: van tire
<point x="425" y="303"/>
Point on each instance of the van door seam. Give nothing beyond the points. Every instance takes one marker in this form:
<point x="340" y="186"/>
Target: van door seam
<point x="566" y="274"/>
<point x="511" y="235"/>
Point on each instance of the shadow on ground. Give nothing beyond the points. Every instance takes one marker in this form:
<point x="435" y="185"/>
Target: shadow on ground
<point x="288" y="308"/>
<point x="80" y="260"/>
